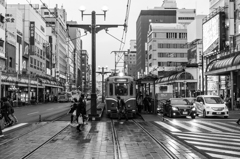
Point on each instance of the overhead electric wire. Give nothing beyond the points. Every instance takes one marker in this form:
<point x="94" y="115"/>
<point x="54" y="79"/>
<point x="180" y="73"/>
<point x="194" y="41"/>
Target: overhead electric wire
<point x="124" y="35"/>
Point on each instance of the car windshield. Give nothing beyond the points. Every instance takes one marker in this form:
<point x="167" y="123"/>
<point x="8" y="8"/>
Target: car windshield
<point x="179" y="102"/>
<point x="213" y="100"/>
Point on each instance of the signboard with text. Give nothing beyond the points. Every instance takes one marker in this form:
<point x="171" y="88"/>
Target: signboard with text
<point x="32" y="33"/>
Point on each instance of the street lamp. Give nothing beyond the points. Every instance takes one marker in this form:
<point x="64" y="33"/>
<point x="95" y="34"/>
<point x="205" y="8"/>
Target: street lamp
<point x="102" y="73"/>
<point x="93" y="29"/>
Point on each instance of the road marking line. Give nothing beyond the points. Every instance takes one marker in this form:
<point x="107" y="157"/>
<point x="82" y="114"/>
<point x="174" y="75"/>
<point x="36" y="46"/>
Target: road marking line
<point x="218" y="126"/>
<point x="221" y="156"/>
<point x="50" y="109"/>
<point x="168" y="126"/>
<point x="204" y="127"/>
<point x="175" y="122"/>
<point x="207" y="140"/>
<point x="33" y="113"/>
<point x="221" y="133"/>
<point x="218" y="150"/>
<point x="214" y="145"/>
<point x="228" y="125"/>
<point x="223" y="137"/>
<point x="13" y="127"/>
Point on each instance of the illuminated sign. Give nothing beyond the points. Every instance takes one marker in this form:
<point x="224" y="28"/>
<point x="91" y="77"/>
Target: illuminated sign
<point x="121" y="80"/>
<point x="32" y="33"/>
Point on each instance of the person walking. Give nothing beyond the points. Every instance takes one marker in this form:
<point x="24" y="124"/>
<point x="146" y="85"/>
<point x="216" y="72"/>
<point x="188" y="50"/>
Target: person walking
<point x="73" y="108"/>
<point x="146" y="103"/>
<point x="6" y="110"/>
<point x="121" y="108"/>
<point x="80" y="112"/>
<point x="140" y="103"/>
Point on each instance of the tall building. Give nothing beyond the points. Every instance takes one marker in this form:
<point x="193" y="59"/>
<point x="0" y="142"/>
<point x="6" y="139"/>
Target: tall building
<point x="130" y="59"/>
<point x="75" y="35"/>
<point x="85" y="70"/>
<point x="57" y="18"/>
<point x="2" y="35"/>
<point x="70" y="61"/>
<point x="167" y="13"/>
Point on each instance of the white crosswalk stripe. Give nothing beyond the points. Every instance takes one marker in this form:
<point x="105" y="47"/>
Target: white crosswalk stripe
<point x="217" y="145"/>
<point x="217" y="126"/>
<point x="199" y="126"/>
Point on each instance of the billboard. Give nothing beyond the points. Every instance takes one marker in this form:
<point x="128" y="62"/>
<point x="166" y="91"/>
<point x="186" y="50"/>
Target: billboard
<point x="211" y="32"/>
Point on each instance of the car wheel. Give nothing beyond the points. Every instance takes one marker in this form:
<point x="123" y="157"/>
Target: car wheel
<point x="204" y="114"/>
<point x="225" y="117"/>
<point x="193" y="117"/>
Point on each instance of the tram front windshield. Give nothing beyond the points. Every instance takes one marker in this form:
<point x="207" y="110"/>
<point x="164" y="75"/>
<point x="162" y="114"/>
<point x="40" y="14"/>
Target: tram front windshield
<point x="121" y="89"/>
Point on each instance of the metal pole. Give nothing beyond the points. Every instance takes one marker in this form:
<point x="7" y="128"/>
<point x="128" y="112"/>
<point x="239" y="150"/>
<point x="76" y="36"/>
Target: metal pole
<point x="93" y="95"/>
<point x="231" y="90"/>
<point x="0" y="83"/>
<point x="102" y="83"/>
<point x="202" y="74"/>
<point x="185" y="84"/>
<point x="17" y="90"/>
<point x="29" y="98"/>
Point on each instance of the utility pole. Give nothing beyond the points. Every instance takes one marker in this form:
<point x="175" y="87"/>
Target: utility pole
<point x="93" y="28"/>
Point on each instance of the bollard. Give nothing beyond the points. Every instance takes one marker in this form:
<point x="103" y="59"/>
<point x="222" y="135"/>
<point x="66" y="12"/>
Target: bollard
<point x="40" y="118"/>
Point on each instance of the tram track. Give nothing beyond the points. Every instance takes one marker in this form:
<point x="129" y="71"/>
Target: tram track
<point x="168" y="152"/>
<point x="28" y="155"/>
<point x="26" y="133"/>
<point x="116" y="146"/>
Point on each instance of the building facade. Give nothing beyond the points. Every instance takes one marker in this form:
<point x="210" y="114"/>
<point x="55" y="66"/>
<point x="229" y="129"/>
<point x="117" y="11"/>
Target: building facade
<point x="2" y="34"/>
<point x="85" y="70"/>
<point x="167" y="13"/>
<point x="130" y="59"/>
<point x="221" y="49"/>
<point x="75" y="35"/>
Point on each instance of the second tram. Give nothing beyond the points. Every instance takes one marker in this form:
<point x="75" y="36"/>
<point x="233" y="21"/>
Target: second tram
<point x="125" y="87"/>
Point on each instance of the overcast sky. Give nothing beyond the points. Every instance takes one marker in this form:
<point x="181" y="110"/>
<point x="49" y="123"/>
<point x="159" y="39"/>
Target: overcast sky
<point x="115" y="15"/>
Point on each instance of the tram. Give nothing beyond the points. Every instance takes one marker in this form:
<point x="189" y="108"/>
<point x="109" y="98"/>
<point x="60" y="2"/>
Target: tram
<point x="125" y="87"/>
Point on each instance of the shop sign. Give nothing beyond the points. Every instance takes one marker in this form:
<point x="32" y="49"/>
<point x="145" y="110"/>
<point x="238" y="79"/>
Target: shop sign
<point x="32" y="33"/>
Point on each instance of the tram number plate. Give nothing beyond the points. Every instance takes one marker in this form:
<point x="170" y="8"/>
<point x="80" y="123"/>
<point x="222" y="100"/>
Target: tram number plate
<point x="218" y="112"/>
<point x="185" y="112"/>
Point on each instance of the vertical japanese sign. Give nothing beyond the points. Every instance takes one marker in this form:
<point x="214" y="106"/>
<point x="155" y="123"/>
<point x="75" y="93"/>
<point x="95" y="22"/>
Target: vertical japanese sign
<point x="32" y="33"/>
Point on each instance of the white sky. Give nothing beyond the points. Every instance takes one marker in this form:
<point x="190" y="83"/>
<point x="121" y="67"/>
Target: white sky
<point x="115" y="15"/>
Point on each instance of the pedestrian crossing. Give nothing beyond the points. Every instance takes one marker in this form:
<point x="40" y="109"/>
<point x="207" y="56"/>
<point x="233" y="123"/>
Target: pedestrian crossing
<point x="216" y="145"/>
<point x="214" y="139"/>
<point x="198" y="126"/>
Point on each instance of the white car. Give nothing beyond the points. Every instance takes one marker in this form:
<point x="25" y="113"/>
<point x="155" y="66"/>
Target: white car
<point x="211" y="105"/>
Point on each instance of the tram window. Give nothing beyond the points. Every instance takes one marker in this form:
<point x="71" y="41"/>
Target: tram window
<point x="131" y="88"/>
<point x="111" y="89"/>
<point x="121" y="89"/>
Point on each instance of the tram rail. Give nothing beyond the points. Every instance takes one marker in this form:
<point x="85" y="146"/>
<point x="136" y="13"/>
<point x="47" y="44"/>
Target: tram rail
<point x="116" y="146"/>
<point x="165" y="149"/>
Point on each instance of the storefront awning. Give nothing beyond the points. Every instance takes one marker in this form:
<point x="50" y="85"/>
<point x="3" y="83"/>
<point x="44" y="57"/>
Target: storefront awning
<point x="225" y="63"/>
<point x="178" y="76"/>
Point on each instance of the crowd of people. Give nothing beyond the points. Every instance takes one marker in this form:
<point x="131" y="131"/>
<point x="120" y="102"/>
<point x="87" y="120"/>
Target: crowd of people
<point x="7" y="112"/>
<point x="7" y="116"/>
<point x="144" y="104"/>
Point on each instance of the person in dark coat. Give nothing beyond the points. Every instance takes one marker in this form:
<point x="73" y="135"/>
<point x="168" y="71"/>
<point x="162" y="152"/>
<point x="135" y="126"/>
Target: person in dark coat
<point x="81" y="111"/>
<point x="6" y="110"/>
<point x="121" y="108"/>
<point x="147" y="103"/>
<point x="73" y="108"/>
